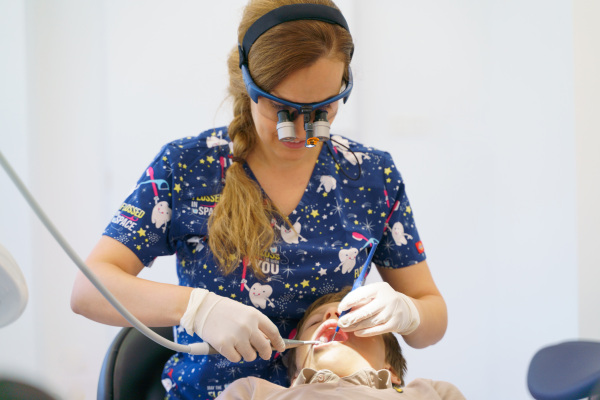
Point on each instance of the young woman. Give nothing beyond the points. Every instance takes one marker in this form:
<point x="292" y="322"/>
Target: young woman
<point x="266" y="215"/>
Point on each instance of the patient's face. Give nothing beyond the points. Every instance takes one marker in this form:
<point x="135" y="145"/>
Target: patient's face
<point x="346" y="355"/>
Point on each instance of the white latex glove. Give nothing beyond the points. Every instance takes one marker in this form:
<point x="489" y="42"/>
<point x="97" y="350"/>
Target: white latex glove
<point x="377" y="308"/>
<point x="234" y="329"/>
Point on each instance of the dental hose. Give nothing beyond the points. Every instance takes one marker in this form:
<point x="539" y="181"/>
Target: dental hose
<point x="194" y="348"/>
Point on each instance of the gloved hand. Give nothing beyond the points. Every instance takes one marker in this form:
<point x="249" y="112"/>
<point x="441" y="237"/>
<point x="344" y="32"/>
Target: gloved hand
<point x="235" y="330"/>
<point x="378" y="308"/>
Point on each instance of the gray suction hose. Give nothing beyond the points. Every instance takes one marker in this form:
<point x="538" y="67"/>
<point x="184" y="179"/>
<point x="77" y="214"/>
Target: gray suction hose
<point x="194" y="348"/>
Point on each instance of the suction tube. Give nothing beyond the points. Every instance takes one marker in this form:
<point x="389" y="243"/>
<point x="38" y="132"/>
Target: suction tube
<point x="194" y="348"/>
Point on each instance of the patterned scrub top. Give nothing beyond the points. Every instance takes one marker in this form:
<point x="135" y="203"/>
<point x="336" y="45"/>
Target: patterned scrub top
<point x="168" y="210"/>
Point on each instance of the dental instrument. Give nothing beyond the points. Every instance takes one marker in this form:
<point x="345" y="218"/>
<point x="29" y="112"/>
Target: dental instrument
<point x="361" y="277"/>
<point x="292" y="343"/>
<point x="289" y="344"/>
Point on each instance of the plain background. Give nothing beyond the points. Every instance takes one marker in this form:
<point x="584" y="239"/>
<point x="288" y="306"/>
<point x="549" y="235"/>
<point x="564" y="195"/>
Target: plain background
<point x="490" y="109"/>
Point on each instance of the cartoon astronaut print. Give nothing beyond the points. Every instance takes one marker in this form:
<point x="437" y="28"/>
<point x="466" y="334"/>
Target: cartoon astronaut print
<point x="348" y="260"/>
<point x="259" y="294"/>
<point x="290" y="236"/>
<point x="399" y="235"/>
<point x="161" y="214"/>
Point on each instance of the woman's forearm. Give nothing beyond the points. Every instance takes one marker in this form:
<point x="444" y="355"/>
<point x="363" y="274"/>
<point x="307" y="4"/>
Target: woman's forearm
<point x="434" y="320"/>
<point x="117" y="267"/>
<point x="153" y="303"/>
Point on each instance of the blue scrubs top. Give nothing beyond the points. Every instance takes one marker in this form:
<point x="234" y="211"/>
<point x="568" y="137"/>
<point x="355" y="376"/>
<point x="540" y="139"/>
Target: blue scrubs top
<point x="168" y="210"/>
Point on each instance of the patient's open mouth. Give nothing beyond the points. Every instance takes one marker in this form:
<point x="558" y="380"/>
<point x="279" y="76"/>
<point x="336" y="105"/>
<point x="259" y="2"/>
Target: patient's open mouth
<point x="326" y="331"/>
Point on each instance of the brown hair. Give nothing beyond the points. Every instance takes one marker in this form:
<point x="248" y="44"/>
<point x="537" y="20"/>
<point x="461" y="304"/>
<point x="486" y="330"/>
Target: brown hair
<point x="240" y="226"/>
<point x="393" y="352"/>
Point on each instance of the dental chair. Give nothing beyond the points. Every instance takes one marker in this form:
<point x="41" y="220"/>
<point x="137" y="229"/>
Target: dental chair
<point x="11" y="389"/>
<point x="566" y="371"/>
<point x="133" y="366"/>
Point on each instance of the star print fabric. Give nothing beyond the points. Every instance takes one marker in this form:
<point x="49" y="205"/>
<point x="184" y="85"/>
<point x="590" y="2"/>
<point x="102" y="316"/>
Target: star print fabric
<point x="168" y="211"/>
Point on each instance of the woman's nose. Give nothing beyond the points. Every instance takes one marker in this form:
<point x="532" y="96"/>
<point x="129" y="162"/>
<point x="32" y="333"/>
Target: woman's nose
<point x="299" y="128"/>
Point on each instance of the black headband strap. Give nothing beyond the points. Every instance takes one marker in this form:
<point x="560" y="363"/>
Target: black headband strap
<point x="292" y="12"/>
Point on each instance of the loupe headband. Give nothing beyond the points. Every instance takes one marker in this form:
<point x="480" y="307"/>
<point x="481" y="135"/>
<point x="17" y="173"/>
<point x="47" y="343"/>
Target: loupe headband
<point x="254" y="92"/>
<point x="291" y="12"/>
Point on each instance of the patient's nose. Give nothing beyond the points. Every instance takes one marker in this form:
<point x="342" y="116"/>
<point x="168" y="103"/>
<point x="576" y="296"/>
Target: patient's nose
<point x="330" y="313"/>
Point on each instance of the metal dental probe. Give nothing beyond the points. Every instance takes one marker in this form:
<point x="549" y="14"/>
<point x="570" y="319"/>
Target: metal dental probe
<point x="289" y="344"/>
<point x="360" y="280"/>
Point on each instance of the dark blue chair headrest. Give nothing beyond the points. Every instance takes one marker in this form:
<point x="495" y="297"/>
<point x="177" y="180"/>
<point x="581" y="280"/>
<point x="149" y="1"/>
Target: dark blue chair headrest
<point x="566" y="371"/>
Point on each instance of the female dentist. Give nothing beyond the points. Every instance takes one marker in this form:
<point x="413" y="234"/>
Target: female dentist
<point x="266" y="215"/>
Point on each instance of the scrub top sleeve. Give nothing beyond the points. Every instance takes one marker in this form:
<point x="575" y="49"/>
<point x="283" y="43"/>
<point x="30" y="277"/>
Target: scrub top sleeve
<point x="400" y="245"/>
<point x="143" y="221"/>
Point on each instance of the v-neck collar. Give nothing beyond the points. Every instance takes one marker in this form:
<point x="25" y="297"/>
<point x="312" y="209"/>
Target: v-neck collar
<point x="316" y="172"/>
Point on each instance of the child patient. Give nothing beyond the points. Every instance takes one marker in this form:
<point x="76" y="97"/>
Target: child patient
<point x="351" y="367"/>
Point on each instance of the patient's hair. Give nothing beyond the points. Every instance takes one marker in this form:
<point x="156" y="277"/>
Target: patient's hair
<point x="393" y="352"/>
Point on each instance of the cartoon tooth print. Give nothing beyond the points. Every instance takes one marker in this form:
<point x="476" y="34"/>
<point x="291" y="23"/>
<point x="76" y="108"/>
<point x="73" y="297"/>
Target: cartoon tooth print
<point x="399" y="235"/>
<point x="328" y="182"/>
<point x="290" y="236"/>
<point x="348" y="260"/>
<point x="259" y="295"/>
<point x="161" y="214"/>
<point x="168" y="383"/>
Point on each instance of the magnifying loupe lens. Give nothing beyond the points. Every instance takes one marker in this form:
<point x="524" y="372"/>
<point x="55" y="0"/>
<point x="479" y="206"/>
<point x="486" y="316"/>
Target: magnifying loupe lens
<point x="285" y="127"/>
<point x="321" y="126"/>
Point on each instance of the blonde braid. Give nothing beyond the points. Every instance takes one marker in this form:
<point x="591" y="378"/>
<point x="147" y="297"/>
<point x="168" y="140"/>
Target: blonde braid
<point x="243" y="213"/>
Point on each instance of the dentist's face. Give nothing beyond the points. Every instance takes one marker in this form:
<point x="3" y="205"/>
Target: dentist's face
<point x="346" y="355"/>
<point x="313" y="84"/>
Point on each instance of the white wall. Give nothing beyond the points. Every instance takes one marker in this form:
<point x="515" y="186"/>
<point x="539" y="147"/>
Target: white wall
<point x="59" y="84"/>
<point x="474" y="99"/>
<point x="17" y="341"/>
<point x="587" y="133"/>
